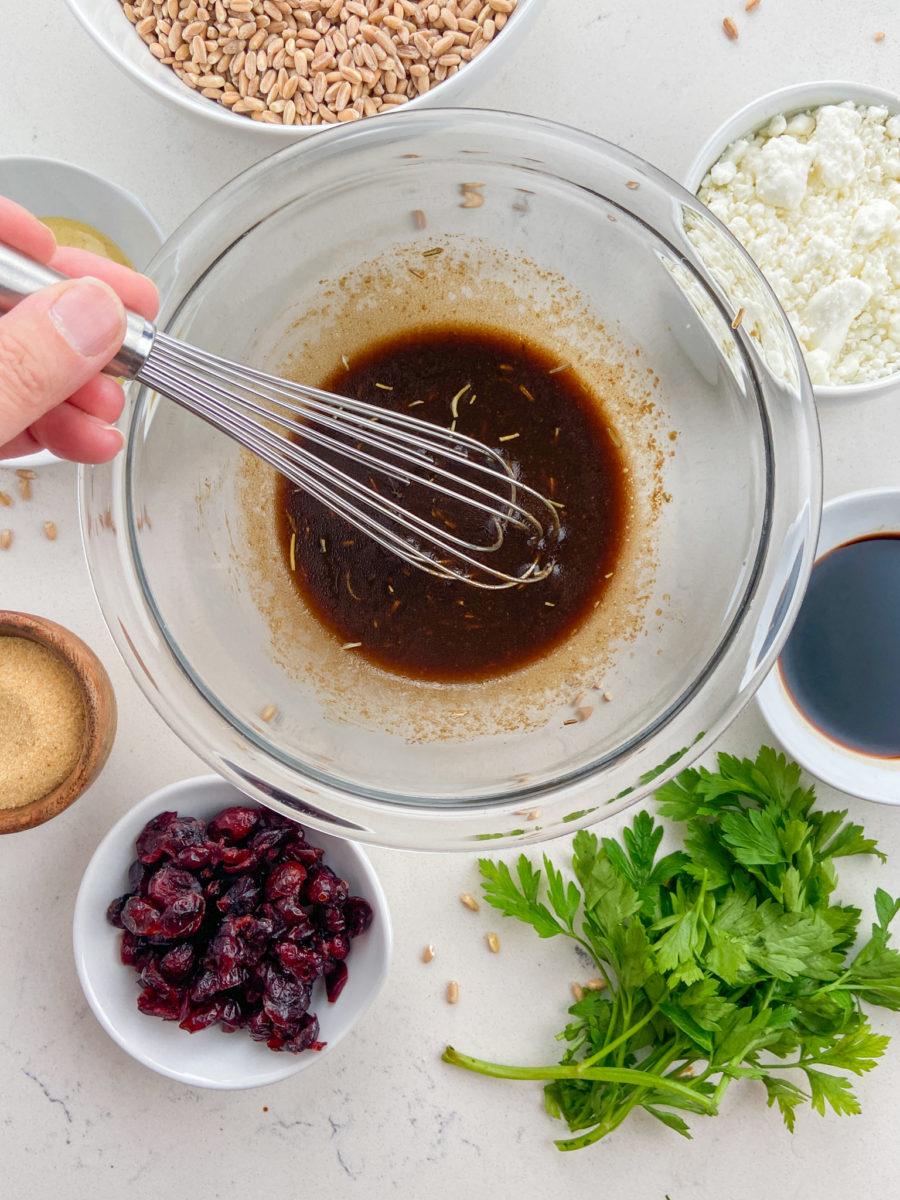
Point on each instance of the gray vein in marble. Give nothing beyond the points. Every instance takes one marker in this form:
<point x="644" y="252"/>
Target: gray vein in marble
<point x="53" y="1100"/>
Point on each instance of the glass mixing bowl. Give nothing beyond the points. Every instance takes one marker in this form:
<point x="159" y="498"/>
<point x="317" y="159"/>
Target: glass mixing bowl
<point x="608" y="264"/>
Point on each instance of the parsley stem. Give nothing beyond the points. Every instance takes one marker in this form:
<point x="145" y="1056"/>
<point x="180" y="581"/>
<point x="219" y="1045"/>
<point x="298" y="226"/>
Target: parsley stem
<point x="623" y="1037"/>
<point x="626" y="1075"/>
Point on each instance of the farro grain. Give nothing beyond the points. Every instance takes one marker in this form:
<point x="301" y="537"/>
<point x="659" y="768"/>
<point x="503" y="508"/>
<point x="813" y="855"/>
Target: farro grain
<point x="5" y="539"/>
<point x="452" y="992"/>
<point x="731" y="30"/>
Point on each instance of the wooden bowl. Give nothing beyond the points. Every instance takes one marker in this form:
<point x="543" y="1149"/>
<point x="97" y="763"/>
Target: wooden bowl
<point x="100" y="717"/>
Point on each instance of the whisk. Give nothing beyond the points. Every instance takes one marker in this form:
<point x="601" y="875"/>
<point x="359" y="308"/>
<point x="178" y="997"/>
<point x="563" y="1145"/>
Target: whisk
<point x="449" y="501"/>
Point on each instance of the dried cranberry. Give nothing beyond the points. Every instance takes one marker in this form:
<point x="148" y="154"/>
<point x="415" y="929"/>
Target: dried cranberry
<point x="114" y="912"/>
<point x="285" y="1002"/>
<point x="336" y="947"/>
<point x="266" y="844"/>
<point x="176" y="964"/>
<point x="167" y="1004"/>
<point x="259" y="1026"/>
<point x="140" y="916"/>
<point x="182" y="839"/>
<point x="296" y="850"/>
<point x="291" y="912"/>
<point x="324" y="887"/>
<point x="306" y="1037"/>
<point x="154" y="837"/>
<point x="169" y="883"/>
<point x="236" y="859"/>
<point x="205" y="986"/>
<point x="225" y="951"/>
<point x="137" y="877"/>
<point x="285" y="880"/>
<point x="358" y="915"/>
<point x="234" y="824"/>
<point x="232" y="1017"/>
<point x="241" y="897"/>
<point x="303" y="963"/>
<point x="183" y="916"/>
<point x="335" y="980"/>
<point x="301" y="930"/>
<point x="135" y="950"/>
<point x="331" y="917"/>
<point x="201" y="1016"/>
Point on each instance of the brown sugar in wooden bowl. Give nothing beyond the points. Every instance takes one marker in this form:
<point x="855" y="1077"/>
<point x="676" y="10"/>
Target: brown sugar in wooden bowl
<point x="56" y="694"/>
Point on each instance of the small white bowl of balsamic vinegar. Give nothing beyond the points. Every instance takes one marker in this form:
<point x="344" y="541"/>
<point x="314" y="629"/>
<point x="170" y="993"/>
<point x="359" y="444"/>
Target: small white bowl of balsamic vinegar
<point x="833" y="698"/>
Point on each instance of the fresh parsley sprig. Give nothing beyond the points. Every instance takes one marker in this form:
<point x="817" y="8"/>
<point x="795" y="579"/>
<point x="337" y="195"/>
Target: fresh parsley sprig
<point x="725" y="960"/>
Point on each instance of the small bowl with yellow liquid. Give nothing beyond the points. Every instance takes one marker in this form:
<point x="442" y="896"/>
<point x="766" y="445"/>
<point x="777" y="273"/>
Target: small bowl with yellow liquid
<point x="83" y="210"/>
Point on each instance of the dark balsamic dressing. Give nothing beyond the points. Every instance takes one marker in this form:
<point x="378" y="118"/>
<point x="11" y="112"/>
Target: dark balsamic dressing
<point x="428" y="628"/>
<point x="841" y="663"/>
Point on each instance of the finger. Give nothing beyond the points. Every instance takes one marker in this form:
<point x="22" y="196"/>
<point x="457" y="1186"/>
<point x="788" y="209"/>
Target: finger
<point x="137" y="292"/>
<point x="69" y="432"/>
<point x="23" y="443"/>
<point x="51" y="344"/>
<point x="103" y="398"/>
<point x="22" y="231"/>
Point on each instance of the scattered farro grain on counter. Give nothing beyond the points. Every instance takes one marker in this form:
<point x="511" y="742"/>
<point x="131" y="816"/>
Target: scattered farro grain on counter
<point x="315" y="62"/>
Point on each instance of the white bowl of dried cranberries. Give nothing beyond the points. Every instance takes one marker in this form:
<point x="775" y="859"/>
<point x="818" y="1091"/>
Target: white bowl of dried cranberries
<point x="218" y="946"/>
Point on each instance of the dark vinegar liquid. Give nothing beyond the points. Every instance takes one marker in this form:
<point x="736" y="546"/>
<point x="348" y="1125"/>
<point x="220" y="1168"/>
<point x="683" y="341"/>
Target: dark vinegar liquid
<point x="424" y="627"/>
<point x="841" y="663"/>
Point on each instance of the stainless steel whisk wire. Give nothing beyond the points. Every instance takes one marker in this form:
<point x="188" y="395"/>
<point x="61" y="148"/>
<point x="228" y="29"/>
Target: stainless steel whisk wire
<point x="246" y="404"/>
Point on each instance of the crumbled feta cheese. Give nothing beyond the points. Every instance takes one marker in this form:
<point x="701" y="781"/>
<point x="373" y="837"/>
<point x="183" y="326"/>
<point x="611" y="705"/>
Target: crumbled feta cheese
<point x="782" y="166"/>
<point x="837" y="149"/>
<point x="830" y="312"/>
<point x="817" y="205"/>
<point x="872" y="221"/>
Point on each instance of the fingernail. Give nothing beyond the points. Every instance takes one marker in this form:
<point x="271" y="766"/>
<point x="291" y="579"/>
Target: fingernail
<point x="89" y="316"/>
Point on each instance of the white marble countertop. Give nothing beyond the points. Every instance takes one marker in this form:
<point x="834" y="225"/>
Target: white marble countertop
<point x="382" y="1115"/>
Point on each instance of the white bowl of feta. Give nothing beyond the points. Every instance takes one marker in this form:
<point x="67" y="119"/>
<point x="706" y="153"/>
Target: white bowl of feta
<point x="807" y="178"/>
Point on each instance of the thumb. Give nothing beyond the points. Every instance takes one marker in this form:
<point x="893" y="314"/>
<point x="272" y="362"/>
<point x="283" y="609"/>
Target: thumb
<point x="51" y="344"/>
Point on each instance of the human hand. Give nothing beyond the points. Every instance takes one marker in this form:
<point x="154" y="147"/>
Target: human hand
<point x="55" y="343"/>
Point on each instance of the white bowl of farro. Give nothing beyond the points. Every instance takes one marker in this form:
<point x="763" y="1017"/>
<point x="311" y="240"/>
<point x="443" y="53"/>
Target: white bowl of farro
<point x="291" y="67"/>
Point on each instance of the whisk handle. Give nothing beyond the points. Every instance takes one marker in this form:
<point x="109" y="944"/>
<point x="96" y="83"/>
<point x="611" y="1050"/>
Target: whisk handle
<point x="20" y="276"/>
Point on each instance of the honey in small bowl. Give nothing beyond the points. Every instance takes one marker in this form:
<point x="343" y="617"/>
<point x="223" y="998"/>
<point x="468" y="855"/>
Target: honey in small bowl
<point x="81" y="236"/>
